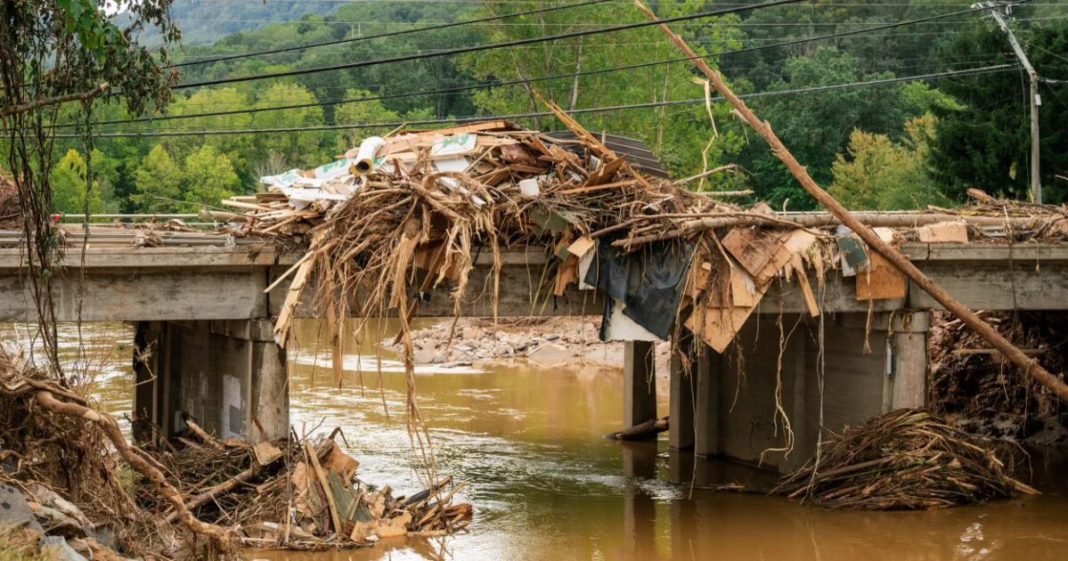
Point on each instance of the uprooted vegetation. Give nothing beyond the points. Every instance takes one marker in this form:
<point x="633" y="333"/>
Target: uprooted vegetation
<point x="982" y="393"/>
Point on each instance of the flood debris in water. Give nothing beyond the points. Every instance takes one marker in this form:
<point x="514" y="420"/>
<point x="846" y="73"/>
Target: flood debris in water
<point x="69" y="480"/>
<point x="302" y="494"/>
<point x="83" y="481"/>
<point x="907" y="459"/>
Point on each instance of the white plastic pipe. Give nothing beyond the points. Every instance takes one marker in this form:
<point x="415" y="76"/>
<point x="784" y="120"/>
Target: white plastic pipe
<point x="365" y="156"/>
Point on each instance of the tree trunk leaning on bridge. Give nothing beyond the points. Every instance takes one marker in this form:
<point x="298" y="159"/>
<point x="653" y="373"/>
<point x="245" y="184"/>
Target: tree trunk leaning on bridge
<point x="1029" y="366"/>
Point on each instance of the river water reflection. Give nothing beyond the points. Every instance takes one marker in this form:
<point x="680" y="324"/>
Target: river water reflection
<point x="546" y="486"/>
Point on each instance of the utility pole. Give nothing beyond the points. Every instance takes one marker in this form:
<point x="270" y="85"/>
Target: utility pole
<point x="1036" y="100"/>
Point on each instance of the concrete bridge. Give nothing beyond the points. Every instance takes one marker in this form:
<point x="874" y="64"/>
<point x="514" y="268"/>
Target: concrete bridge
<point x="203" y="333"/>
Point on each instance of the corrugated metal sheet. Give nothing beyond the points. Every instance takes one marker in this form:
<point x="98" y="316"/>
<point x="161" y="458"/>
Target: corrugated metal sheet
<point x="636" y="151"/>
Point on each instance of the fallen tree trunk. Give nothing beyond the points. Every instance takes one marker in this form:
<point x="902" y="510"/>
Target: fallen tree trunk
<point x="641" y="431"/>
<point x="874" y="219"/>
<point x="1028" y="365"/>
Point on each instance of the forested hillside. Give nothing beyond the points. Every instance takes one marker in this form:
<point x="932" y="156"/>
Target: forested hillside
<point x="205" y="21"/>
<point x="899" y="143"/>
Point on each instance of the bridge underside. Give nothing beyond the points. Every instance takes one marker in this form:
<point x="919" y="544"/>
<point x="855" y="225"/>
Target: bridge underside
<point x="204" y="332"/>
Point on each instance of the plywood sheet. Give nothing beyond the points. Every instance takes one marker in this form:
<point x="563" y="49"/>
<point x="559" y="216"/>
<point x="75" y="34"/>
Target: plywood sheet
<point x="882" y="281"/>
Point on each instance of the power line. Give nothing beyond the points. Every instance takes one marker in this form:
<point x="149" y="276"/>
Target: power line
<point x="487" y="47"/>
<point x="389" y="34"/>
<point x="506" y="83"/>
<point x="319" y="128"/>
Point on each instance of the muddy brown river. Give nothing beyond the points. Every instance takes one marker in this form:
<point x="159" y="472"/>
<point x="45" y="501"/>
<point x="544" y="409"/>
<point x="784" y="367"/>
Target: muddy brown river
<point x="527" y="442"/>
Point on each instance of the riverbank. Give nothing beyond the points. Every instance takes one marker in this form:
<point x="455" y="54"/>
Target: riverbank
<point x="540" y="342"/>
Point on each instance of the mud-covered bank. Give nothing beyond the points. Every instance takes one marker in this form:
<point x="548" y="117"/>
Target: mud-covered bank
<point x="543" y="342"/>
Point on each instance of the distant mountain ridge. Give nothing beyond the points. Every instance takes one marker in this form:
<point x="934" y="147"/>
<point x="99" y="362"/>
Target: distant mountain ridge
<point x="203" y="22"/>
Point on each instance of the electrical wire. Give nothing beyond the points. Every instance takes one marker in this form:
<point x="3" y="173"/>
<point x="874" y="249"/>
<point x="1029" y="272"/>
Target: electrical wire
<point x="426" y="122"/>
<point x="507" y="83"/>
<point x="487" y="47"/>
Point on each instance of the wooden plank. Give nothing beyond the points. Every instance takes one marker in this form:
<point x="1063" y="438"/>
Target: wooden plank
<point x="943" y="232"/>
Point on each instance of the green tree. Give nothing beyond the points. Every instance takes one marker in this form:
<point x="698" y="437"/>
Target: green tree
<point x="817" y="127"/>
<point x="208" y="177"/>
<point x="298" y="149"/>
<point x="158" y="181"/>
<point x="360" y="113"/>
<point x="986" y="142"/>
<point x="69" y="186"/>
<point x="238" y="147"/>
<point x="675" y="134"/>
<point x="880" y="174"/>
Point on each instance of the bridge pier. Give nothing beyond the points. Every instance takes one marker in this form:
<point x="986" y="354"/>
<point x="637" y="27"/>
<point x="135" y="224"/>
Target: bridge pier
<point x="735" y="392"/>
<point x="227" y="375"/>
<point x="639" y="382"/>
<point x="681" y="401"/>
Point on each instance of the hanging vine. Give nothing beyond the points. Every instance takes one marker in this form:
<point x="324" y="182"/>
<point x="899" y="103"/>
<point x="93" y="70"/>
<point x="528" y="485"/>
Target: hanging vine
<point x="57" y="59"/>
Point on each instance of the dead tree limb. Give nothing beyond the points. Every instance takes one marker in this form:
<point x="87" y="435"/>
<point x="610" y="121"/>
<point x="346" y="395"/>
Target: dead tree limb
<point x="1029" y="366"/>
<point x="39" y="103"/>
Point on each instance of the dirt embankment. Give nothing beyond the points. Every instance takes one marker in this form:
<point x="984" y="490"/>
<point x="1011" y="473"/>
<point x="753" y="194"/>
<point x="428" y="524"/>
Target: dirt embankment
<point x="982" y="393"/>
<point x="551" y="342"/>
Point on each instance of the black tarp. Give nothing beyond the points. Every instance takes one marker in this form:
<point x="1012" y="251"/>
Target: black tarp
<point x="649" y="282"/>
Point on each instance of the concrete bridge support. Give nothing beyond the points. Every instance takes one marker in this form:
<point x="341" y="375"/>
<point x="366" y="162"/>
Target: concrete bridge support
<point x="227" y="375"/>
<point x="777" y="385"/>
<point x="639" y="382"/>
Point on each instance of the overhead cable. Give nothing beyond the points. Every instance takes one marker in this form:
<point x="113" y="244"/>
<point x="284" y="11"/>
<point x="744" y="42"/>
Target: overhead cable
<point x="537" y="79"/>
<point x="429" y="122"/>
<point x="483" y="47"/>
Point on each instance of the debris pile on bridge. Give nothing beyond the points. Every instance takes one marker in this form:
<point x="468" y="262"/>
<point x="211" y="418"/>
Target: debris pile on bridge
<point x="907" y="459"/>
<point x="399" y="217"/>
<point x="976" y="389"/>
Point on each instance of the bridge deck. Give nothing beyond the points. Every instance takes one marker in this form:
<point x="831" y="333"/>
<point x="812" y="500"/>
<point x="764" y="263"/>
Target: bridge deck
<point x="196" y="276"/>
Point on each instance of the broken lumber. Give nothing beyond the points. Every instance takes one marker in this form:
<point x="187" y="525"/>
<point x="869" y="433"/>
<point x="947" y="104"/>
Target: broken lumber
<point x="1029" y="366"/>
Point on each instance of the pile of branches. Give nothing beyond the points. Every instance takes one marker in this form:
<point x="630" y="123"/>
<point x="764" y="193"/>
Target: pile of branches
<point x="985" y="394"/>
<point x="907" y="459"/>
<point x="298" y="494"/>
<point x="76" y="469"/>
<point x="198" y="498"/>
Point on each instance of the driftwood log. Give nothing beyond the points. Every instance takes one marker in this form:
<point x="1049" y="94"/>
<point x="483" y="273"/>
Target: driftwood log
<point x="642" y="431"/>
<point x="1026" y="364"/>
